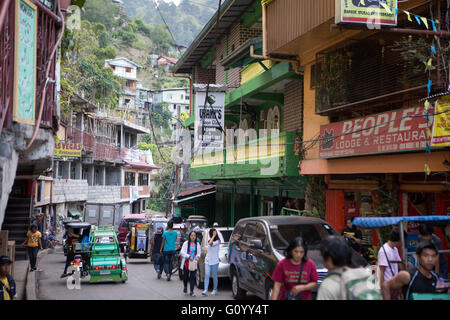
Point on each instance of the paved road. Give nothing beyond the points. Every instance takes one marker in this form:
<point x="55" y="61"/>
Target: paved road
<point x="141" y="285"/>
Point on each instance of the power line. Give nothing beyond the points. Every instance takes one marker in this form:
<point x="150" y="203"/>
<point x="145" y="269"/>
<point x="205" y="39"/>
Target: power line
<point x="167" y="26"/>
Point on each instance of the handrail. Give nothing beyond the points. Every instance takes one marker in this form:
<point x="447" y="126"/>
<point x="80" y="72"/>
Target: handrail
<point x="3" y="12"/>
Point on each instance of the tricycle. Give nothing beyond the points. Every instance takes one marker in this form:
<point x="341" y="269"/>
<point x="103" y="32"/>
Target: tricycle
<point x="138" y="240"/>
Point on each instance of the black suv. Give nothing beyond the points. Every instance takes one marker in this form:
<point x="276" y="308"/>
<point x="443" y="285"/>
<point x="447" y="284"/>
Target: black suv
<point x="257" y="244"/>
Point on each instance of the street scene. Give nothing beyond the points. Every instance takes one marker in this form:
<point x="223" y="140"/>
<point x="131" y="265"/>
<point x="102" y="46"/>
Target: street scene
<point x="224" y="150"/>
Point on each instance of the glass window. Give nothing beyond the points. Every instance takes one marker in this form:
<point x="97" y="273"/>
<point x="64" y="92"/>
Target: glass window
<point x="104" y="240"/>
<point x="143" y="179"/>
<point x="130" y="178"/>
<point x="249" y="233"/>
<point x="238" y="230"/>
<point x="226" y="234"/>
<point x="260" y="234"/>
<point x="282" y="235"/>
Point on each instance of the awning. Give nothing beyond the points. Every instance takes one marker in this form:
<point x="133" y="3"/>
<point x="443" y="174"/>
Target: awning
<point x="379" y="222"/>
<point x="142" y="165"/>
<point x="193" y="198"/>
<point x="241" y="56"/>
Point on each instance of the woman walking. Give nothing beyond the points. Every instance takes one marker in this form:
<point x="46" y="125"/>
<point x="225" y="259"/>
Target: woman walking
<point x="190" y="251"/>
<point x="33" y="242"/>
<point x="212" y="261"/>
<point x="296" y="275"/>
<point x="168" y="249"/>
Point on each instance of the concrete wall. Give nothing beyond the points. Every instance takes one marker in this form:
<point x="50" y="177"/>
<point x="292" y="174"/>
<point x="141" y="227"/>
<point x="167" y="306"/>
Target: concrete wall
<point x="69" y="190"/>
<point x="104" y="194"/>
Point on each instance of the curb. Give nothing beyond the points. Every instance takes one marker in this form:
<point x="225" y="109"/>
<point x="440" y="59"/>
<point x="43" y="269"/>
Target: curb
<point x="31" y="285"/>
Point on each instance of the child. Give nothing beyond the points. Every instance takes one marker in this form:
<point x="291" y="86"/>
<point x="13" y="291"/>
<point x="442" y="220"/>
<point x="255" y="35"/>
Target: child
<point x="7" y="283"/>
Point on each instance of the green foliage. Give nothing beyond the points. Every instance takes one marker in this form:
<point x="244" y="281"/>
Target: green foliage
<point x="102" y="11"/>
<point x="127" y="37"/>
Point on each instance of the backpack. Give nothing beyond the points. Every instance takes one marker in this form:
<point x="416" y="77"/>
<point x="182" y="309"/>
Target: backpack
<point x="358" y="284"/>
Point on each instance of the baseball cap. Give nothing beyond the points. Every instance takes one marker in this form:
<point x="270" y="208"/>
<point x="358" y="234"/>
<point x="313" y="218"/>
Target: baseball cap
<point x="5" y="259"/>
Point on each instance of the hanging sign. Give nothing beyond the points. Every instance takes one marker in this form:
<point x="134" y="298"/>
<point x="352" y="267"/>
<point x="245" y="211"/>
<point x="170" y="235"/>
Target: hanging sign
<point x="395" y="131"/>
<point x="441" y="126"/>
<point x="25" y="61"/>
<point x="370" y="12"/>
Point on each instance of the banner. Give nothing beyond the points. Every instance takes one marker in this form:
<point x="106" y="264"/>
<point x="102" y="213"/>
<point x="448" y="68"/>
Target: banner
<point x="441" y="127"/>
<point x="370" y="12"/>
<point x="25" y="61"/>
<point x="395" y="131"/>
<point x="67" y="149"/>
<point x="209" y="119"/>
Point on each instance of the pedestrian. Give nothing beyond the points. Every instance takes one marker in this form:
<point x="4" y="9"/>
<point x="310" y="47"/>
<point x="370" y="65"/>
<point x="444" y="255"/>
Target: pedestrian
<point x="7" y="283"/>
<point x="352" y="234"/>
<point x="420" y="279"/>
<point x="190" y="252"/>
<point x="33" y="242"/>
<point x="212" y="261"/>
<point x="168" y="246"/>
<point x="215" y="225"/>
<point x="336" y="254"/>
<point x="156" y="249"/>
<point x="295" y="276"/>
<point x="389" y="261"/>
<point x="71" y="238"/>
<point x="427" y="233"/>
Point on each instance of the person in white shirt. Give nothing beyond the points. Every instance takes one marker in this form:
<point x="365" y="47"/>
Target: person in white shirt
<point x="212" y="261"/>
<point x="389" y="259"/>
<point x="190" y="252"/>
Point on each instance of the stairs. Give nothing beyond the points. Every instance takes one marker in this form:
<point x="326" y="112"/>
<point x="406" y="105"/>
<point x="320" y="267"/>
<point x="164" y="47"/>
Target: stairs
<point x="17" y="222"/>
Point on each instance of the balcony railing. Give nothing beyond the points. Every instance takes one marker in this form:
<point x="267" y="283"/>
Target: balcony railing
<point x="269" y="157"/>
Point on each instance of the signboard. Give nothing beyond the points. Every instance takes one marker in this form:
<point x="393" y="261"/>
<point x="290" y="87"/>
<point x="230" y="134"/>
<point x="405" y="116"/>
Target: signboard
<point x="394" y="131"/>
<point x="370" y="12"/>
<point x="25" y="61"/>
<point x="441" y="126"/>
<point x="209" y="120"/>
<point x="67" y="149"/>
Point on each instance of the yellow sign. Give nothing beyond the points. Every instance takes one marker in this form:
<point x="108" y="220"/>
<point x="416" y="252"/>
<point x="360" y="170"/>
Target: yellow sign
<point x="370" y="12"/>
<point x="441" y="126"/>
<point x="67" y="149"/>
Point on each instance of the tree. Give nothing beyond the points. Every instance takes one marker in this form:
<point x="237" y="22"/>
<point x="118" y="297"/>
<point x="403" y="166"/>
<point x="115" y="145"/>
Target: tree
<point x="102" y="11"/>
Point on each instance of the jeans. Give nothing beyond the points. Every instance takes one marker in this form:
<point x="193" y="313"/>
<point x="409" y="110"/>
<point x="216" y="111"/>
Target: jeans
<point x="208" y="269"/>
<point x="168" y="262"/>
<point x="189" y="275"/>
<point x="158" y="261"/>
<point x="70" y="258"/>
<point x="32" y="254"/>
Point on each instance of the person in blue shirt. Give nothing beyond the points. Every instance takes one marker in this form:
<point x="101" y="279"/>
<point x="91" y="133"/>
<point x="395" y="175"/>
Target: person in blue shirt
<point x="168" y="249"/>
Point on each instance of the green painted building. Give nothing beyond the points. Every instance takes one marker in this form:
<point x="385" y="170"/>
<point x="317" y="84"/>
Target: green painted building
<point x="256" y="174"/>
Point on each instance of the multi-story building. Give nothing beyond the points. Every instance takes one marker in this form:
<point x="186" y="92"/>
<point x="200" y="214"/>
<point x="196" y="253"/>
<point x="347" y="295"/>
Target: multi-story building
<point x="369" y="95"/>
<point x="134" y="101"/>
<point x="29" y="110"/>
<point x="257" y="175"/>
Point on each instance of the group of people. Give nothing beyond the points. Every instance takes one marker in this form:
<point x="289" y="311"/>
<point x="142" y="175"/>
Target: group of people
<point x="296" y="276"/>
<point x="163" y="249"/>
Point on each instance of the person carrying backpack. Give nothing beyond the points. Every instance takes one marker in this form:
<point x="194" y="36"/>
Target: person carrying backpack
<point x="343" y="282"/>
<point x="190" y="251"/>
<point x="295" y="276"/>
<point x="156" y="249"/>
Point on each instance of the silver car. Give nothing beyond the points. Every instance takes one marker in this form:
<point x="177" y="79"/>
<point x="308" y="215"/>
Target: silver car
<point x="224" y="234"/>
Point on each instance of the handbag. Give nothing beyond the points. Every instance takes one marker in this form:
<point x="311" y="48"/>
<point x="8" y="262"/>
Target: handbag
<point x="192" y="265"/>
<point x="298" y="296"/>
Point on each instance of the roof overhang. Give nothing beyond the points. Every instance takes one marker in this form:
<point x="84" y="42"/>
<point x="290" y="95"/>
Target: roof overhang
<point x="193" y="198"/>
<point x="230" y="12"/>
<point x="241" y="56"/>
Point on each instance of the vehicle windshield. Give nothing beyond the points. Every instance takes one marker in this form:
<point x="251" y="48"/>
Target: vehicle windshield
<point x="226" y="234"/>
<point x="128" y="222"/>
<point x="200" y="224"/>
<point x="160" y="224"/>
<point x="104" y="240"/>
<point x="312" y="234"/>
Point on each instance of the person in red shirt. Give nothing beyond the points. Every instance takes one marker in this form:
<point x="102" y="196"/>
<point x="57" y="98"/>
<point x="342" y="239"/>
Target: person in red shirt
<point x="287" y="272"/>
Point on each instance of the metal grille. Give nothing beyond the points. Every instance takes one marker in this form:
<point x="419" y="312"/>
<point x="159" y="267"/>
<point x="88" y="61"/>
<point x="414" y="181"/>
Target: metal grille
<point x="377" y="66"/>
<point x="6" y="63"/>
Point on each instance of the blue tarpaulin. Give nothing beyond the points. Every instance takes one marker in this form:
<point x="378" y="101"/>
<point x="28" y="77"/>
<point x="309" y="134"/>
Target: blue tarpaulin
<point x="379" y="222"/>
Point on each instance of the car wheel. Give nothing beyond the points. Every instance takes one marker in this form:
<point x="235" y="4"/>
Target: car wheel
<point x="198" y="279"/>
<point x="268" y="290"/>
<point x="238" y="293"/>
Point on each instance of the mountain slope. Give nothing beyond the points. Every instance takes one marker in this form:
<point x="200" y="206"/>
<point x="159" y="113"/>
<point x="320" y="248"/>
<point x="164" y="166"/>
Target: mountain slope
<point x="185" y="21"/>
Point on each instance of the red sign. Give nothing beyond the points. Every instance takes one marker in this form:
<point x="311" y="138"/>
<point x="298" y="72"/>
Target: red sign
<point x="394" y="131"/>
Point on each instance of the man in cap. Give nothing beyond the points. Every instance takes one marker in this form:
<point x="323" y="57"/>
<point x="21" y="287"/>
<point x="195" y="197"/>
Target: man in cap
<point x="7" y="283"/>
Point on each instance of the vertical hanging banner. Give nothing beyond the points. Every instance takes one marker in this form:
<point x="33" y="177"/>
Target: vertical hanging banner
<point x="370" y="12"/>
<point x="441" y="126"/>
<point x="25" y="49"/>
<point x="209" y="118"/>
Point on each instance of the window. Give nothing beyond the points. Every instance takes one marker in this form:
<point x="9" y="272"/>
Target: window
<point x="72" y="171"/>
<point x="226" y="234"/>
<point x="128" y="84"/>
<point x="143" y="179"/>
<point x="282" y="235"/>
<point x="130" y="178"/>
<point x="249" y="233"/>
<point x="127" y="101"/>
<point x="128" y="70"/>
<point x="104" y="240"/>
<point x="181" y="97"/>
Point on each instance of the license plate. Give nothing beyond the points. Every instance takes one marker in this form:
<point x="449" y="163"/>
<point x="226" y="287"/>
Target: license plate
<point x="105" y="272"/>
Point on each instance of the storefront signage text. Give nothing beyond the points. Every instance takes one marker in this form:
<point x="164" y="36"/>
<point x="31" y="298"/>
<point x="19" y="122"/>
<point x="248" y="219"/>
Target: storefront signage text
<point x="370" y="12"/>
<point x="66" y="149"/>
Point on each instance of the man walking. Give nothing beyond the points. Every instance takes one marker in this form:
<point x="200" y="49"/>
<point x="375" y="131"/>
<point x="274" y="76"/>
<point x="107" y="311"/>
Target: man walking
<point x="168" y="247"/>
<point x="389" y="259"/>
<point x="421" y="279"/>
<point x="7" y="283"/>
